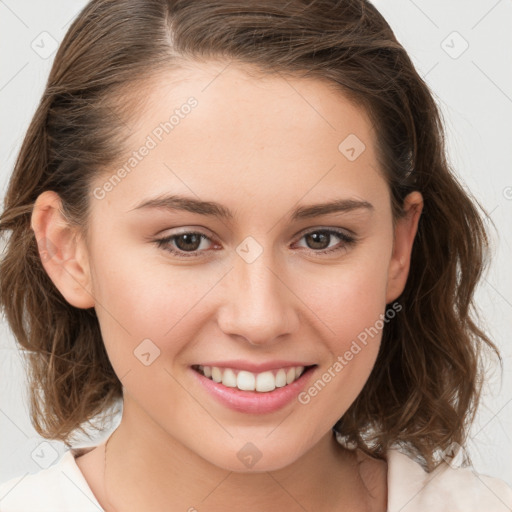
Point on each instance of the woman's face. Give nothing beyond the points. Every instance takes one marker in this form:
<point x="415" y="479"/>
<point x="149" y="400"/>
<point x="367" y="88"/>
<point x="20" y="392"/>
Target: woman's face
<point x="265" y="280"/>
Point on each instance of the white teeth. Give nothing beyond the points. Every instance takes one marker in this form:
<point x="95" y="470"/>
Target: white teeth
<point x="229" y="378"/>
<point x="245" y="381"/>
<point x="265" y="382"/>
<point x="280" y="378"/>
<point x="216" y="374"/>
<point x="248" y="381"/>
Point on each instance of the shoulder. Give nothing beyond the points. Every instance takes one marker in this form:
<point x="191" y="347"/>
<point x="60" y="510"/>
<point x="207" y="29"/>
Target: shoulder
<point x="446" y="489"/>
<point x="61" y="487"/>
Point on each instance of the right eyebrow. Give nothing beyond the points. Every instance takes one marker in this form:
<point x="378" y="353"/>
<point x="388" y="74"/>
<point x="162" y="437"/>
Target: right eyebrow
<point x="189" y="204"/>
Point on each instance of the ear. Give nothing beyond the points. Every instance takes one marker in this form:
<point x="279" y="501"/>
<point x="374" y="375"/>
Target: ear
<point x="62" y="250"/>
<point x="404" y="234"/>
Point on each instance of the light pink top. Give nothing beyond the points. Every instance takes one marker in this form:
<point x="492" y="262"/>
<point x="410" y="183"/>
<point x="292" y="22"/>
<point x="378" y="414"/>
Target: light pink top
<point x="63" y="488"/>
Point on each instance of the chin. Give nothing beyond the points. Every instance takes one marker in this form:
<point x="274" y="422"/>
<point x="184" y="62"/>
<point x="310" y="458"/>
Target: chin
<point x="257" y="457"/>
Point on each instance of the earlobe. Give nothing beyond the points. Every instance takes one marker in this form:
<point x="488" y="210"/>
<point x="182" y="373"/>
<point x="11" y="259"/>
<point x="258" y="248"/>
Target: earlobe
<point x="405" y="232"/>
<point x="62" y="251"/>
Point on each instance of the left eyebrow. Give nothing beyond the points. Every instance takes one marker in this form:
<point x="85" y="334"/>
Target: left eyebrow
<point x="338" y="205"/>
<point x="211" y="208"/>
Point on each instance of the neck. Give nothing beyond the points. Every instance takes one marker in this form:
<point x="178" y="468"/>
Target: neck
<point x="156" y="472"/>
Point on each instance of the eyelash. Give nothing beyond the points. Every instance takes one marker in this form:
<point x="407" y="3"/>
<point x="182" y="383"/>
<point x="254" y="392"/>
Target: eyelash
<point x="163" y="243"/>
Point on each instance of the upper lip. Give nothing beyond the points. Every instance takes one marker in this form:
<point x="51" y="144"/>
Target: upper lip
<point x="256" y="367"/>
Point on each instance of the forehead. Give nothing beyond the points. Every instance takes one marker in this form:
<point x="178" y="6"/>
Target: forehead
<point x="231" y="96"/>
<point x="216" y="127"/>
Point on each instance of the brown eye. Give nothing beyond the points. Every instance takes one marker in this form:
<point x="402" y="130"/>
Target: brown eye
<point x="187" y="244"/>
<point x="188" y="241"/>
<point x="320" y="240"/>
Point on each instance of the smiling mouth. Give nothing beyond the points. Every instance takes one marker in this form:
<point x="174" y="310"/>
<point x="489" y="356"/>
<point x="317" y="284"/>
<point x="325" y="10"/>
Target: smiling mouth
<point x="243" y="380"/>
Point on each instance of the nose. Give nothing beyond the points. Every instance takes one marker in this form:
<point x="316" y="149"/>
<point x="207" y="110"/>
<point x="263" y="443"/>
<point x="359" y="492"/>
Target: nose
<point x="258" y="304"/>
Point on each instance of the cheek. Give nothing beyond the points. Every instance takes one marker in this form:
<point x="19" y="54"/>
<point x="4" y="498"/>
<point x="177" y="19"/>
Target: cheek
<point x="349" y="297"/>
<point x="351" y="304"/>
<point x="340" y="380"/>
<point x="137" y="302"/>
<point x="133" y="304"/>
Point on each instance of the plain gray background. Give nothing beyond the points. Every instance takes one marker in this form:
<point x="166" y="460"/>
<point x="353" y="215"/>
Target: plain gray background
<point x="461" y="48"/>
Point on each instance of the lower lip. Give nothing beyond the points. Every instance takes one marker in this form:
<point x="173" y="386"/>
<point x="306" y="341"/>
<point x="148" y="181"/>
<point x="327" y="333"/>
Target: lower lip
<point x="254" y="402"/>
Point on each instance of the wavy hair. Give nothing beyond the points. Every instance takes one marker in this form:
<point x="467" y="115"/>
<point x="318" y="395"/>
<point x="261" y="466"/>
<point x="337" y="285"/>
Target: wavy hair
<point x="425" y="385"/>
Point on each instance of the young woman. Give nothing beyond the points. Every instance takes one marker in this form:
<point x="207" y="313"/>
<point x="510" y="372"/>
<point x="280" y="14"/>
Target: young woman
<point x="237" y="218"/>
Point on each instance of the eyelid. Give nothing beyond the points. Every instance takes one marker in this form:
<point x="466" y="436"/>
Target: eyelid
<point x="200" y="230"/>
<point x="335" y="229"/>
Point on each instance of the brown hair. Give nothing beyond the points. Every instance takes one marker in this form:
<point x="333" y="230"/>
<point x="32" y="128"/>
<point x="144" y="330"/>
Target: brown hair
<point x="424" y="388"/>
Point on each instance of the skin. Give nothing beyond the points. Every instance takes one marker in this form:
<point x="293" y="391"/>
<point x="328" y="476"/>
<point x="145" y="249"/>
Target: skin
<point x="260" y="147"/>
